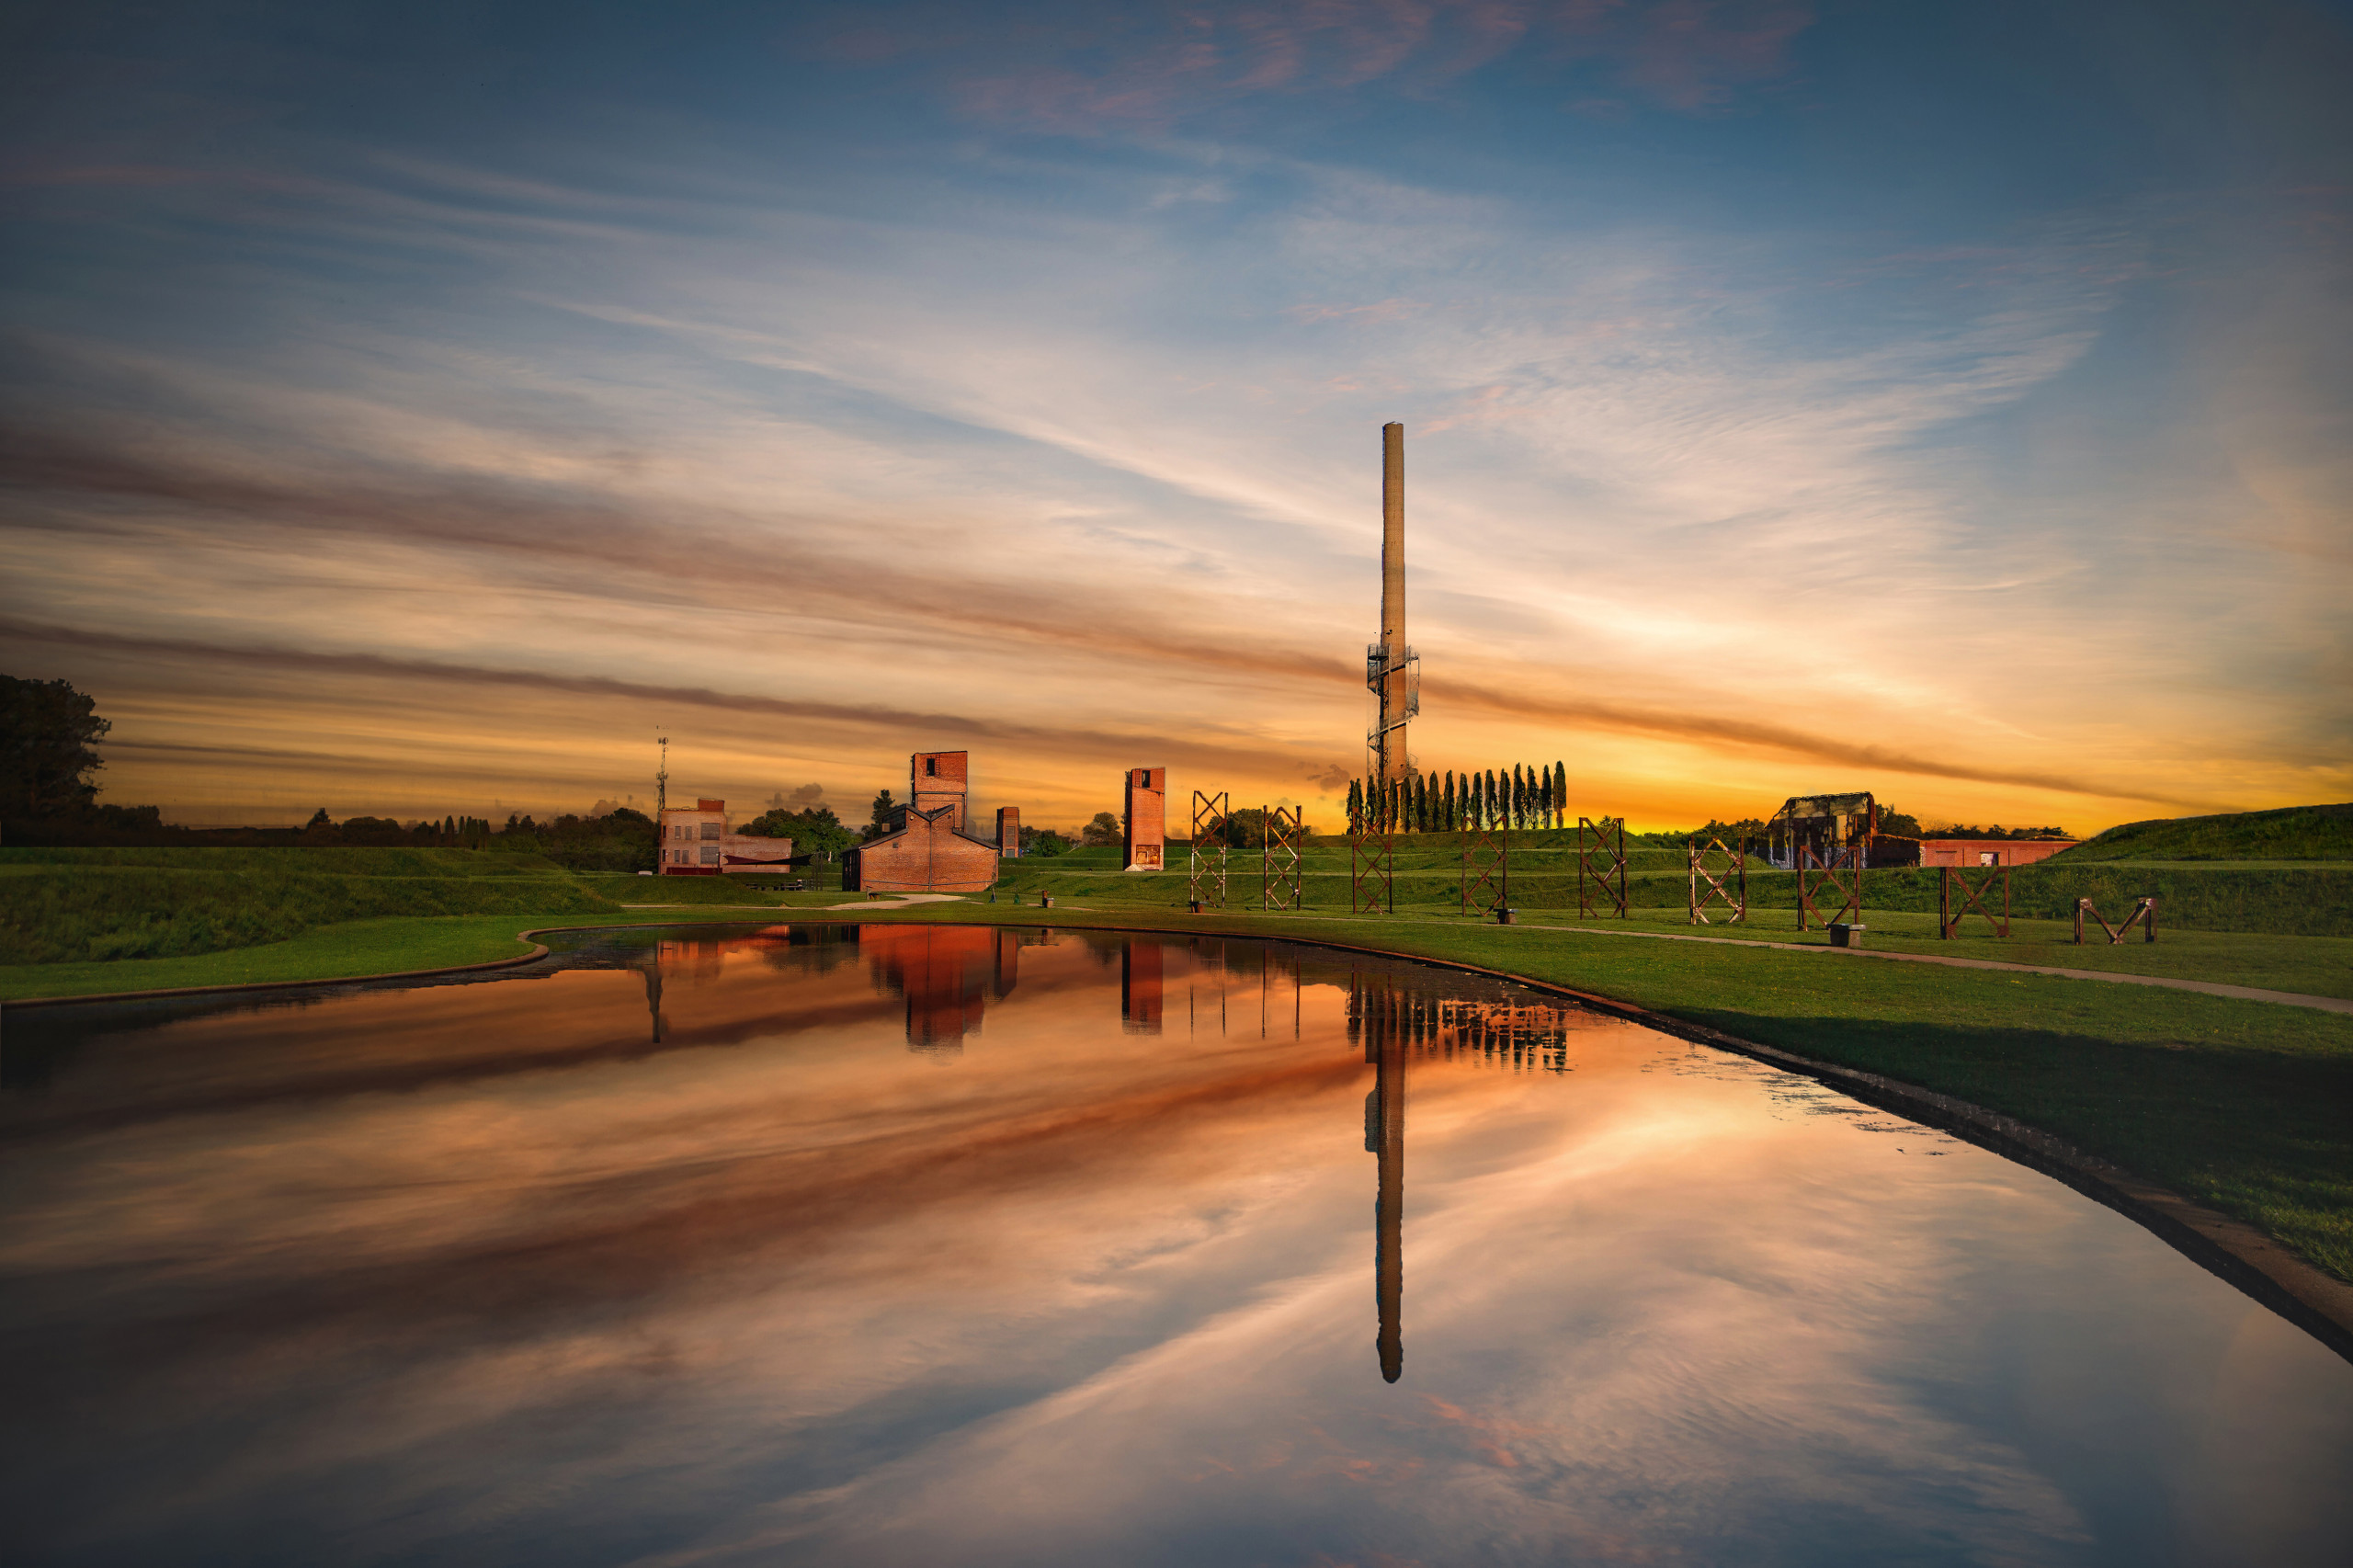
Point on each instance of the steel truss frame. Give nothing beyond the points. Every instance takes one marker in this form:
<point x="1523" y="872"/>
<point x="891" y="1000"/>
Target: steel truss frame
<point x="1278" y="879"/>
<point x="1487" y="867"/>
<point x="1609" y="873"/>
<point x="1735" y="865"/>
<point x="1841" y="872"/>
<point x="1203" y="872"/>
<point x="1372" y="866"/>
<point x="2142" y="907"/>
<point x="1949" y="914"/>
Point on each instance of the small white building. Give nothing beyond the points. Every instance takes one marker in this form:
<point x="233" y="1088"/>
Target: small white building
<point x="697" y="842"/>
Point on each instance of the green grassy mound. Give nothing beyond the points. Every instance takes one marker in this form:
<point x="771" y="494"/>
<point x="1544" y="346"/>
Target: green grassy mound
<point x="68" y="905"/>
<point x="2292" y="833"/>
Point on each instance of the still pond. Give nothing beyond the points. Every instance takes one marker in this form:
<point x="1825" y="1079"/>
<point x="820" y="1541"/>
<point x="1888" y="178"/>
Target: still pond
<point x="925" y="1244"/>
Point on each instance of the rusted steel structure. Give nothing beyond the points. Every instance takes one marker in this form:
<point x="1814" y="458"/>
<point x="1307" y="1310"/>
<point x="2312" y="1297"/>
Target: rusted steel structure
<point x="1713" y="864"/>
<point x="1957" y="898"/>
<point x="1372" y="863"/>
<point x="1486" y="867"/>
<point x="2144" y="912"/>
<point x="1392" y="672"/>
<point x="1602" y="866"/>
<point x="1833" y="871"/>
<point x="1279" y="836"/>
<point x="1205" y="872"/>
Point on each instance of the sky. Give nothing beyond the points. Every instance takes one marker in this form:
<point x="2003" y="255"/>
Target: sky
<point x="415" y="410"/>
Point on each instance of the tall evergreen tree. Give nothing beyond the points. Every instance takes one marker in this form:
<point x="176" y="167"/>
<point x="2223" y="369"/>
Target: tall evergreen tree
<point x="1356" y="801"/>
<point x="1560" y="791"/>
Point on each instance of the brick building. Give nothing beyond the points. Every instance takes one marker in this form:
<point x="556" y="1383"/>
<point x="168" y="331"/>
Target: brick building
<point x="1008" y="832"/>
<point x="926" y="848"/>
<point x="1991" y="851"/>
<point x="1147" y="813"/>
<point x="697" y="842"/>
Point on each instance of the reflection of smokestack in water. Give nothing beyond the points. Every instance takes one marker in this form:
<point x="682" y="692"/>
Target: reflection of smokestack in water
<point x="1385" y="1134"/>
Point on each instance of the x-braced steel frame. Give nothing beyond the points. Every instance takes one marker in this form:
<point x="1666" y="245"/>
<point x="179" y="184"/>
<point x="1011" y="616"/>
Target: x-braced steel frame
<point x="1602" y="864"/>
<point x="1205" y="874"/>
<point x="1734" y="866"/>
<point x="1486" y="867"/>
<point x="1840" y="872"/>
<point x="1278" y="882"/>
<point x="2144" y="910"/>
<point x="1952" y="911"/>
<point x="1372" y="866"/>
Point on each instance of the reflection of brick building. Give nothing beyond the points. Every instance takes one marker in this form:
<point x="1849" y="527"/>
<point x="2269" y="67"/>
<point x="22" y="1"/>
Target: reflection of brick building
<point x="1147" y="813"/>
<point x="926" y="848"/>
<point x="1140" y="986"/>
<point x="697" y="844"/>
<point x="948" y="974"/>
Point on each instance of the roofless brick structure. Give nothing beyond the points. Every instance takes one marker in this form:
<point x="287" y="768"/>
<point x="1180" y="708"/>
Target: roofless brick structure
<point x="1147" y="812"/>
<point x="926" y="848"/>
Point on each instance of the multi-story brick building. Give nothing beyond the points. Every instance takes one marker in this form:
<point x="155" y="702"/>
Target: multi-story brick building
<point x="698" y="843"/>
<point x="925" y="848"/>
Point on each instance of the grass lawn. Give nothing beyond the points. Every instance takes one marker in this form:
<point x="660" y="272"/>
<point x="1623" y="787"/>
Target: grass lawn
<point x="351" y="947"/>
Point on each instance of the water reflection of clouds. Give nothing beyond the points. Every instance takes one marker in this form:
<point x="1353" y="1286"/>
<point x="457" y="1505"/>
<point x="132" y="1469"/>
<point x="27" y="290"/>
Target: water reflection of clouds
<point x="791" y="1292"/>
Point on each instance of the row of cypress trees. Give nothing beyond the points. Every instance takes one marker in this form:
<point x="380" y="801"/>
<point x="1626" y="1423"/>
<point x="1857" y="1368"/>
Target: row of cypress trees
<point x="1442" y="802"/>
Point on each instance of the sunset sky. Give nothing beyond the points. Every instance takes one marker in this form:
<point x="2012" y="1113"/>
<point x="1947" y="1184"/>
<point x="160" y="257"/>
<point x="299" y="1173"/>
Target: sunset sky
<point x="417" y="409"/>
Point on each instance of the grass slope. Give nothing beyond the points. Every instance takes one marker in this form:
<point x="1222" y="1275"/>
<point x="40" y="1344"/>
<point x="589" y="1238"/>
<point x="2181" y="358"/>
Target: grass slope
<point x="2292" y="833"/>
<point x="67" y="907"/>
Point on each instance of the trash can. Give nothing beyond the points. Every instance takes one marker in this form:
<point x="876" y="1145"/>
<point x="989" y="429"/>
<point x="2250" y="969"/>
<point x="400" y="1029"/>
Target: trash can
<point x="1507" y="917"/>
<point x="1045" y="901"/>
<point x="1844" y="935"/>
<point x="1197" y="905"/>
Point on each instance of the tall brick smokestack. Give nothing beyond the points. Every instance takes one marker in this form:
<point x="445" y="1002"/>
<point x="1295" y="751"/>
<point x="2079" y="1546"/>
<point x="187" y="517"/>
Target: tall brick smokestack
<point x="1392" y="540"/>
<point x="1389" y="671"/>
